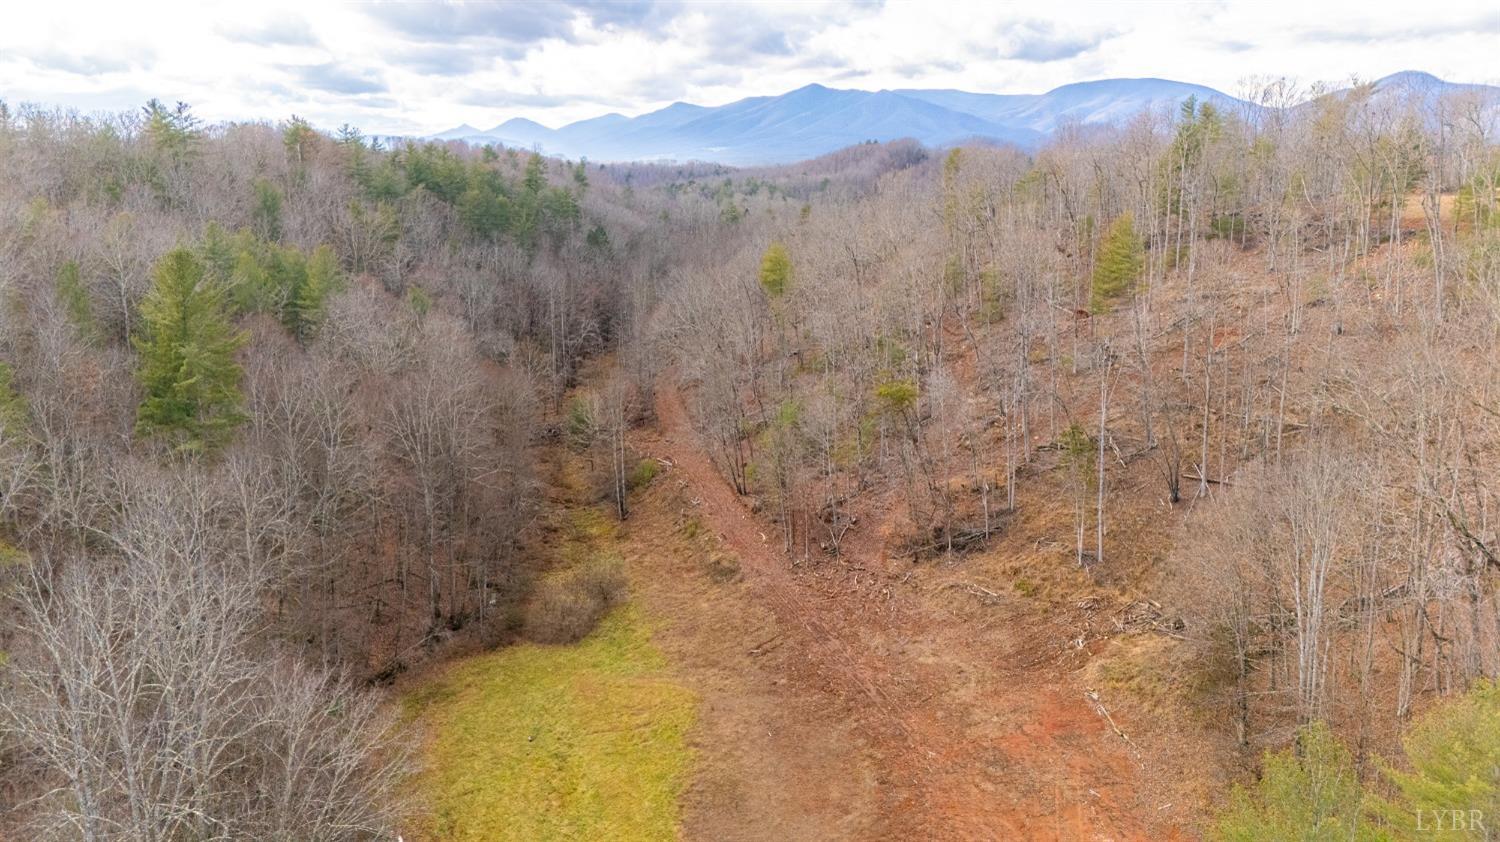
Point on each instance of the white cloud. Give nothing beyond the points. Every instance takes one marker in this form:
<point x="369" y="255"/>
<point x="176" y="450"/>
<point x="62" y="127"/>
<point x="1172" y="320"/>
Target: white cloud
<point x="414" y="68"/>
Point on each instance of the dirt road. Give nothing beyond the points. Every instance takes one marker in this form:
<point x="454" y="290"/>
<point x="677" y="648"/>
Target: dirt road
<point x="976" y="725"/>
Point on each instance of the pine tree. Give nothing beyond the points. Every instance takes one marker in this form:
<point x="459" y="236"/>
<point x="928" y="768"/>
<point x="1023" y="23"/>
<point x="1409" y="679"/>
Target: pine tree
<point x="776" y="270"/>
<point x="75" y="300"/>
<point x="187" y="348"/>
<point x="1454" y="754"/>
<point x="1118" y="265"/>
<point x="1306" y="795"/>
<point x="305" y="308"/>
<point x="536" y="175"/>
<point x="266" y="215"/>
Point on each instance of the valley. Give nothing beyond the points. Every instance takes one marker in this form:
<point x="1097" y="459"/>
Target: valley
<point x="1114" y="463"/>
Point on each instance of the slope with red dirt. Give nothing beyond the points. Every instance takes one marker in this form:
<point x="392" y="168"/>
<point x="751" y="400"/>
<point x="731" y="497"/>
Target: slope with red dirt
<point x="965" y="701"/>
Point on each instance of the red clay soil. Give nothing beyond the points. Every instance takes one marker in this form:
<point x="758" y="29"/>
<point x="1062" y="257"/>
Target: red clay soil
<point x="975" y="724"/>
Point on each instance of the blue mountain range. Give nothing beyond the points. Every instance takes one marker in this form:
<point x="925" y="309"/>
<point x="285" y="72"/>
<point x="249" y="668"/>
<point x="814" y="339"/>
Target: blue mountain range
<point x="814" y="120"/>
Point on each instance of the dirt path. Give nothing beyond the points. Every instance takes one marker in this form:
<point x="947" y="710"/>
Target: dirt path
<point x="975" y="725"/>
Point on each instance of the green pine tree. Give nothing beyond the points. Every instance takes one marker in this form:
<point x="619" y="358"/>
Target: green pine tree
<point x="1307" y="794"/>
<point x="1454" y="756"/>
<point x="187" y="347"/>
<point x="536" y="175"/>
<point x="1117" y="268"/>
<point x="776" y="270"/>
<point x="75" y="300"/>
<point x="266" y="215"/>
<point x="251" y="288"/>
<point x="306" y="305"/>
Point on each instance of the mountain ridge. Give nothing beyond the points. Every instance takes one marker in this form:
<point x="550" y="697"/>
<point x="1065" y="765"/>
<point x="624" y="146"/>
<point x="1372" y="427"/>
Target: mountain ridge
<point x="816" y="119"/>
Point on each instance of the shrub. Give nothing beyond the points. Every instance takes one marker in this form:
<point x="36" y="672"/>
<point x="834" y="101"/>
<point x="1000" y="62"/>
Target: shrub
<point x="722" y="568"/>
<point x="896" y="396"/>
<point x="645" y="471"/>
<point x="566" y="607"/>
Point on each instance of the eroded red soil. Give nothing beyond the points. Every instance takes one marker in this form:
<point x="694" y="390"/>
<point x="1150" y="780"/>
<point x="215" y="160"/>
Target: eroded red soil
<point x="898" y="701"/>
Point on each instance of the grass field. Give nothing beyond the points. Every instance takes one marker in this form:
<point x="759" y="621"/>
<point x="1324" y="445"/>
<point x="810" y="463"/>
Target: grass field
<point x="585" y="742"/>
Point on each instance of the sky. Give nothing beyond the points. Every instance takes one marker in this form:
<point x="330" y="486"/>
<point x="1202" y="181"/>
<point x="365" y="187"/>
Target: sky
<point x="413" y="68"/>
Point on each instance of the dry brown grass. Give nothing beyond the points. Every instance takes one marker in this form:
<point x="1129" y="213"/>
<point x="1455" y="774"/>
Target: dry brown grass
<point x="567" y="606"/>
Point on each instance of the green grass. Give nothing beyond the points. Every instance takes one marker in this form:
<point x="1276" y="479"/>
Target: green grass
<point x="584" y="742"/>
<point x="645" y="470"/>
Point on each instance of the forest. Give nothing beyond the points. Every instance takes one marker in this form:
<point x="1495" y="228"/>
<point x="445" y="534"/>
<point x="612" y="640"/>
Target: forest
<point x="1188" y="423"/>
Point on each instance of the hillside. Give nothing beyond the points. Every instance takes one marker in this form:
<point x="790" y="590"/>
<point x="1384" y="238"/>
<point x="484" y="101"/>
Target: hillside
<point x="1133" y="485"/>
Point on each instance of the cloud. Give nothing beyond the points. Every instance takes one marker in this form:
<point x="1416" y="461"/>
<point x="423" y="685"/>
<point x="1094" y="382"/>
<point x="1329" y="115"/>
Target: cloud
<point x="84" y="64"/>
<point x="288" y="31"/>
<point x="436" y="60"/>
<point x="519" y="99"/>
<point x="337" y="79"/>
<point x="516" y="25"/>
<point x="1360" y="33"/>
<point x="919" y="69"/>
<point x="675" y="85"/>
<point x="732" y="34"/>
<point x="637" y="15"/>
<point x="771" y="44"/>
<point x="1040" y="41"/>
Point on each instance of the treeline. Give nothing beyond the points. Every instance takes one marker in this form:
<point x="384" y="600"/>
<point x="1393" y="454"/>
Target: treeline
<point x="1282" y="323"/>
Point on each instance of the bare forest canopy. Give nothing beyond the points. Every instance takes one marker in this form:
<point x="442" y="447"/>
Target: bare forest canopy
<point x="273" y="406"/>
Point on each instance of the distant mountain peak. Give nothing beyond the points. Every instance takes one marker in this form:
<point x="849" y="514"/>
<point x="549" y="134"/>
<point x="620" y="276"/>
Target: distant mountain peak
<point x="1409" y="77"/>
<point x="519" y="123"/>
<point x="458" y="132"/>
<point x="815" y="119"/>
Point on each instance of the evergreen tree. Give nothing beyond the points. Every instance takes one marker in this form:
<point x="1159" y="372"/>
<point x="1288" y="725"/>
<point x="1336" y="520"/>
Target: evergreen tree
<point x="187" y="346"/>
<point x="776" y="270"/>
<point x="172" y="131"/>
<point x="219" y="250"/>
<point x="1118" y="265"/>
<point x="268" y="278"/>
<point x="1453" y="787"/>
<point x="300" y="140"/>
<point x="305" y="306"/>
<point x="172" y="135"/>
<point x="597" y="241"/>
<point x="75" y="300"/>
<point x="266" y="214"/>
<point x="536" y="175"/>
<point x="1308" y="794"/>
<point x="484" y="209"/>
